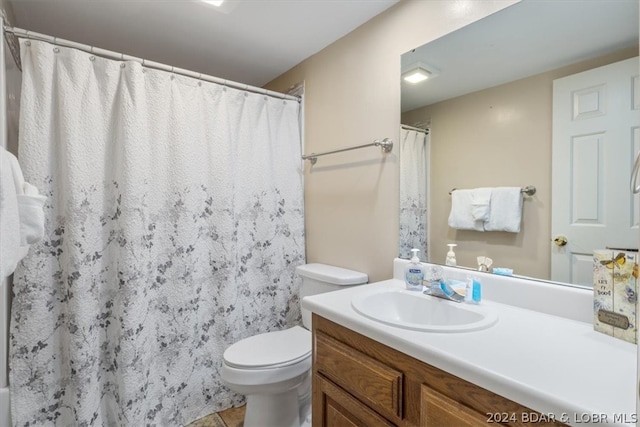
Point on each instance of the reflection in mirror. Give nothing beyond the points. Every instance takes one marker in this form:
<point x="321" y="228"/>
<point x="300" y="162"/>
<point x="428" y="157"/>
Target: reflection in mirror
<point x="488" y="108"/>
<point x="414" y="165"/>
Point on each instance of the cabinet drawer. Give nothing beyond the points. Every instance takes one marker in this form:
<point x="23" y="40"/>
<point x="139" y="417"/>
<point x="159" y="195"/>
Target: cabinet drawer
<point x="437" y="410"/>
<point x="374" y="383"/>
<point x="337" y="408"/>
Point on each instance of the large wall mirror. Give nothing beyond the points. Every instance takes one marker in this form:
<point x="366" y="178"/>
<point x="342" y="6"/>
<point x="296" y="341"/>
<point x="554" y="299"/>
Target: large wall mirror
<point x="487" y="108"/>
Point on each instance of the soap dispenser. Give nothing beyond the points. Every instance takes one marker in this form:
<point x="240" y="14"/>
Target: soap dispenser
<point x="414" y="272"/>
<point x="451" y="256"/>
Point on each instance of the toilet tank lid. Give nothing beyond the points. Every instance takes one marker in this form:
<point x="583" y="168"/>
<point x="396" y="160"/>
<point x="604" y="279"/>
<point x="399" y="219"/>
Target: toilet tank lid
<point x="332" y="274"/>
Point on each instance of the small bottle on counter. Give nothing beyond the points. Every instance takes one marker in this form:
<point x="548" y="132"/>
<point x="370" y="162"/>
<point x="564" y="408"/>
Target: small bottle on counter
<point x="451" y="256"/>
<point x="468" y="290"/>
<point x="473" y="290"/>
<point x="476" y="291"/>
<point x="414" y="272"/>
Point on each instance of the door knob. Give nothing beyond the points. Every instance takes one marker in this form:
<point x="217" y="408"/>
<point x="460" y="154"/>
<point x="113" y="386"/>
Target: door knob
<point x="560" y="241"/>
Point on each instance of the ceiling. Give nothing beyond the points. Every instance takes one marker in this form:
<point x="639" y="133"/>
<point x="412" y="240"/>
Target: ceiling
<point x="522" y="40"/>
<point x="247" y="41"/>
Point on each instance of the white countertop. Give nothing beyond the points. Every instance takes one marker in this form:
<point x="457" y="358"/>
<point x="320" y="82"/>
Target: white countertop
<point x="548" y="363"/>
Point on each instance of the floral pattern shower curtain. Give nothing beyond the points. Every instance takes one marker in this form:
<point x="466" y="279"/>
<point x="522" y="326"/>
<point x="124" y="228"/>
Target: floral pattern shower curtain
<point x="414" y="164"/>
<point x="174" y="223"/>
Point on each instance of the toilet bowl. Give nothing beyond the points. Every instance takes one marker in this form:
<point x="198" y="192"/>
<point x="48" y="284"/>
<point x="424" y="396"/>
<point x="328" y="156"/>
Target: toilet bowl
<point x="269" y="370"/>
<point x="273" y="370"/>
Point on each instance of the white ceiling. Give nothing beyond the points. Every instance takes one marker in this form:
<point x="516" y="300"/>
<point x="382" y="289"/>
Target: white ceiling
<point x="247" y="41"/>
<point x="522" y="40"/>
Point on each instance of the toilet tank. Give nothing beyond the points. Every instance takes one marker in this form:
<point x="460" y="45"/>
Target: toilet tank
<point x="321" y="278"/>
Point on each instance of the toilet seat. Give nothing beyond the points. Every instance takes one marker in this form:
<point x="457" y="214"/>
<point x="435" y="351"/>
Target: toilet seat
<point x="270" y="350"/>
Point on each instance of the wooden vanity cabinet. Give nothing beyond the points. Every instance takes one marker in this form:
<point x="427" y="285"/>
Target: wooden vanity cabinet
<point x="360" y="382"/>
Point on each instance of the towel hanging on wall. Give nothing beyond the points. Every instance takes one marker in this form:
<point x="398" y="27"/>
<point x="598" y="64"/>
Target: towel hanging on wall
<point x="461" y="216"/>
<point x="506" y="210"/>
<point x="481" y="204"/>
<point x="21" y="214"/>
<point x="487" y="209"/>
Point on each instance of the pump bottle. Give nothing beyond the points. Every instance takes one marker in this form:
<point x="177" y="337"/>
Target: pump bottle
<point x="414" y="272"/>
<point x="451" y="256"/>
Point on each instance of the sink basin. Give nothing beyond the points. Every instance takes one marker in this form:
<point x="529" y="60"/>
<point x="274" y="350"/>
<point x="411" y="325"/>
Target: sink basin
<point x="416" y="311"/>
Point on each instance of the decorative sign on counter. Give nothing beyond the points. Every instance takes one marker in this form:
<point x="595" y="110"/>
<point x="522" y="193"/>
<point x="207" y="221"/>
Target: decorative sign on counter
<point x="615" y="290"/>
<point x="613" y="319"/>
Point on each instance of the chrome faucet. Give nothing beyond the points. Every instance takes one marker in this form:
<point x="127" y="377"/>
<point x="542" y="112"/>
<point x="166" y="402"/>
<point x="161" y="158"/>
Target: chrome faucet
<point x="442" y="289"/>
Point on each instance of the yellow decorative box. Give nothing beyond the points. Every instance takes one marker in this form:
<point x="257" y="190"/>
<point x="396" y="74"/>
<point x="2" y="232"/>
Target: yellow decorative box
<point x="615" y="290"/>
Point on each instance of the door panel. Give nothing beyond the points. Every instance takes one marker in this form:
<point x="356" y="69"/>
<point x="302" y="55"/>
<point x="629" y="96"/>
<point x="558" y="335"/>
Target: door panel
<point x="595" y="140"/>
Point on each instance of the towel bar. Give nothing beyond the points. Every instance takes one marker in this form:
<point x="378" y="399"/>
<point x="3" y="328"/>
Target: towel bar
<point x="529" y="190"/>
<point x="386" y="145"/>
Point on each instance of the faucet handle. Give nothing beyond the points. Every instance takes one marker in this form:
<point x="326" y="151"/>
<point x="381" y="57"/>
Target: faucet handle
<point x="433" y="273"/>
<point x="484" y="262"/>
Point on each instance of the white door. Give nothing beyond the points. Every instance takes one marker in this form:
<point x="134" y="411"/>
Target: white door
<point x="595" y="142"/>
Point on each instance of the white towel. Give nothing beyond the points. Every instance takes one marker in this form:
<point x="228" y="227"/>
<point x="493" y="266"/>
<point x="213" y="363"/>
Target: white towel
<point x="506" y="210"/>
<point x="481" y="203"/>
<point x="9" y="216"/>
<point x="461" y="216"/>
<point x="30" y="207"/>
<point x="21" y="214"/>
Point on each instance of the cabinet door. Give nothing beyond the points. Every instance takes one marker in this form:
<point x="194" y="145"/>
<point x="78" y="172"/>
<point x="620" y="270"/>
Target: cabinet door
<point x="334" y="407"/>
<point x="438" y="410"/>
<point x="376" y="384"/>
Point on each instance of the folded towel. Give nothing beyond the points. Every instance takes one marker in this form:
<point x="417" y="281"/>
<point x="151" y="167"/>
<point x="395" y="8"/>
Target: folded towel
<point x="9" y="217"/>
<point x="480" y="203"/>
<point x="461" y="216"/>
<point x="21" y="214"/>
<point x="29" y="190"/>
<point x="31" y="218"/>
<point x="506" y="210"/>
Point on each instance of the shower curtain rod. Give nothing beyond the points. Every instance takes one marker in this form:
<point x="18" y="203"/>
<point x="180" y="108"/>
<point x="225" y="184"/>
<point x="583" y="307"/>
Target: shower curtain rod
<point x="19" y="32"/>
<point x="415" y="128"/>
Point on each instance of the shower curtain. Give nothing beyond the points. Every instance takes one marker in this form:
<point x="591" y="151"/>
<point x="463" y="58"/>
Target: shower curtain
<point x="174" y="223"/>
<point x="413" y="193"/>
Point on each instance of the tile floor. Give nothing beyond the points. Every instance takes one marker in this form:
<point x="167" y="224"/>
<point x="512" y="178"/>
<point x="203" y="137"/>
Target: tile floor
<point x="232" y="417"/>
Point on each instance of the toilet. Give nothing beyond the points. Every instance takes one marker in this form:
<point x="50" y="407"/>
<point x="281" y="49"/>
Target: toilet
<point x="273" y="370"/>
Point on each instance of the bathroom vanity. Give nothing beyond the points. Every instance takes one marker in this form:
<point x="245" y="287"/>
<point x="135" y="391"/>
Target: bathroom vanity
<point x="356" y="378"/>
<point x="539" y="363"/>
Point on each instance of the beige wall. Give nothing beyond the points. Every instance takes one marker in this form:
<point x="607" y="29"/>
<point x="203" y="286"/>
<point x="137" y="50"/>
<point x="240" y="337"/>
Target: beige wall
<point x="352" y="96"/>
<point x="497" y="137"/>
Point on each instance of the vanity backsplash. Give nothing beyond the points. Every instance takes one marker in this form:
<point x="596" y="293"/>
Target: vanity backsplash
<point x="571" y="302"/>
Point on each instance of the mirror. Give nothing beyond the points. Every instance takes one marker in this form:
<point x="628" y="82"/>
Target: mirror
<point x="488" y="108"/>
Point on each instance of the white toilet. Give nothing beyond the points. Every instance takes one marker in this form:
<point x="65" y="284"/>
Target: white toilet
<point x="274" y="369"/>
